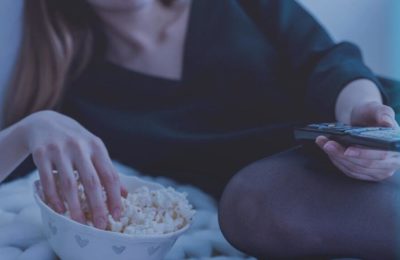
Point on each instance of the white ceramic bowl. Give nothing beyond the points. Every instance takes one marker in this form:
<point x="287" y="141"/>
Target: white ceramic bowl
<point x="74" y="241"/>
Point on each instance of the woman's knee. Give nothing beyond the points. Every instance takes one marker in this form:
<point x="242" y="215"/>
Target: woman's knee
<point x="237" y="208"/>
<point x="252" y="216"/>
<point x="285" y="206"/>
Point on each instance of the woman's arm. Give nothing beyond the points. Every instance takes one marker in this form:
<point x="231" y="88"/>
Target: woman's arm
<point x="338" y="85"/>
<point x="318" y="67"/>
<point x="14" y="150"/>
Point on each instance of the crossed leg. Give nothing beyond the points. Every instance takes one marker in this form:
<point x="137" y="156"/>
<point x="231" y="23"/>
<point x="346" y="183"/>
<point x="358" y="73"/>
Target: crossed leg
<point x="297" y="205"/>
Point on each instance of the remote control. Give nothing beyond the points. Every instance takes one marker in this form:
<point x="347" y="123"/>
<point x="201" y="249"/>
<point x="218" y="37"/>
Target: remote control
<point x="382" y="138"/>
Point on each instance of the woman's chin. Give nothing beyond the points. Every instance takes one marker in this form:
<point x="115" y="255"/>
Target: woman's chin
<point x="119" y="5"/>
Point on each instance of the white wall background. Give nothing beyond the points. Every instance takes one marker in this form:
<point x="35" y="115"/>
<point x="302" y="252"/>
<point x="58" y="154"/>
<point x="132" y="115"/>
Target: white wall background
<point x="396" y="33"/>
<point x="10" y="31"/>
<point x="368" y="23"/>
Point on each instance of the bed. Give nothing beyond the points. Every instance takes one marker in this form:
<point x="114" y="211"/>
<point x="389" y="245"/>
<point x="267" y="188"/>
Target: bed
<point x="21" y="236"/>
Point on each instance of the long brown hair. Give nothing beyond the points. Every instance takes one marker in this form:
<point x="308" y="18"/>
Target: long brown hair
<point x="55" y="33"/>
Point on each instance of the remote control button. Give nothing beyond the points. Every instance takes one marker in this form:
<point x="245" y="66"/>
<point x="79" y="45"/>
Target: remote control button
<point x="363" y="129"/>
<point x="390" y="135"/>
<point x="316" y="126"/>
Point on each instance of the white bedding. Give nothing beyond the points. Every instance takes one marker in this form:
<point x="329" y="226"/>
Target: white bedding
<point x="21" y="235"/>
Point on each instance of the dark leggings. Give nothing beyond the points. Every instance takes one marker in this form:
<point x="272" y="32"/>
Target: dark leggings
<point x="297" y="205"/>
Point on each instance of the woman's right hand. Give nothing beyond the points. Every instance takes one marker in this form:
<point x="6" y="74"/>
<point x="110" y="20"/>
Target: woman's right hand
<point x="59" y="143"/>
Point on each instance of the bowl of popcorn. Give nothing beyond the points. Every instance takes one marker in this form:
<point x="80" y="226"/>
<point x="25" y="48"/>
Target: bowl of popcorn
<point x="153" y="217"/>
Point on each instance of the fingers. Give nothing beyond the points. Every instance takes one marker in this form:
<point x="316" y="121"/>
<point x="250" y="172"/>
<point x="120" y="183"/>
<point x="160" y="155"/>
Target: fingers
<point x="387" y="164"/>
<point x="348" y="171"/>
<point x="374" y="114"/>
<point x="93" y="190"/>
<point x="47" y="181"/>
<point x="369" y="154"/>
<point x="365" y="114"/>
<point x="360" y="163"/>
<point x="69" y="187"/>
<point x="333" y="148"/>
<point x="385" y="116"/>
<point x="356" y="152"/>
<point x="124" y="191"/>
<point x="321" y="141"/>
<point x="353" y="168"/>
<point x="109" y="179"/>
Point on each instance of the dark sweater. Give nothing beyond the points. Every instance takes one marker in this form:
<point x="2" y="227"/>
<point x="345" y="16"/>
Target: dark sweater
<point x="252" y="70"/>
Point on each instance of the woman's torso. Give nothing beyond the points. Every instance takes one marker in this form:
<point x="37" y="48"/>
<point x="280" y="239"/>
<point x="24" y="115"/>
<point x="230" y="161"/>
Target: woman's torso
<point x="234" y="104"/>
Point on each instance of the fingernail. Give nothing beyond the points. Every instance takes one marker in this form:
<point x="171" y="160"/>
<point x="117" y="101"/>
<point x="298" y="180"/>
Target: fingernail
<point x="124" y="192"/>
<point x="116" y="213"/>
<point x="56" y="208"/>
<point x="100" y="222"/>
<point x="59" y="208"/>
<point x="330" y="148"/>
<point x="81" y="219"/>
<point x="351" y="152"/>
<point x="388" y="119"/>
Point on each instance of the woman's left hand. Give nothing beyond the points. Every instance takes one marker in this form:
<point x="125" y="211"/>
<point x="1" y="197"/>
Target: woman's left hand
<point x="363" y="163"/>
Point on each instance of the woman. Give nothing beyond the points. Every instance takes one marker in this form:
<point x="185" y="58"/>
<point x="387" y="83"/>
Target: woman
<point x="195" y="90"/>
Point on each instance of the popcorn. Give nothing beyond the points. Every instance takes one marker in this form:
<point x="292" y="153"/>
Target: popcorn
<point x="145" y="211"/>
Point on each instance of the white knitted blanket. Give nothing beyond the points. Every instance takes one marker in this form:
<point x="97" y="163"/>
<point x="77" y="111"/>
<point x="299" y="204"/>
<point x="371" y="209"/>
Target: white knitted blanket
<point x="21" y="236"/>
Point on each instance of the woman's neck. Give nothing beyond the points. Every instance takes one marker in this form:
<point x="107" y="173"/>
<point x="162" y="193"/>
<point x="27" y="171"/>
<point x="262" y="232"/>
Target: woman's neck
<point x="140" y="28"/>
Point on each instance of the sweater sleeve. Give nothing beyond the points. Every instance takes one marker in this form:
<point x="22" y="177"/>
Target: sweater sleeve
<point x="325" y="66"/>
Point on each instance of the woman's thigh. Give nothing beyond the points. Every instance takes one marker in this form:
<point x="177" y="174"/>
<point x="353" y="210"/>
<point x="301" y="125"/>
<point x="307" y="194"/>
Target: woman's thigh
<point x="296" y="204"/>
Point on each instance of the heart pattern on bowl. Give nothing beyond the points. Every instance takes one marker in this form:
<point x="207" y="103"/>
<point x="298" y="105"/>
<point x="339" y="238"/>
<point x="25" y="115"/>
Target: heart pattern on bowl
<point x="53" y="228"/>
<point x="118" y="249"/>
<point x="153" y="249"/>
<point x="81" y="241"/>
